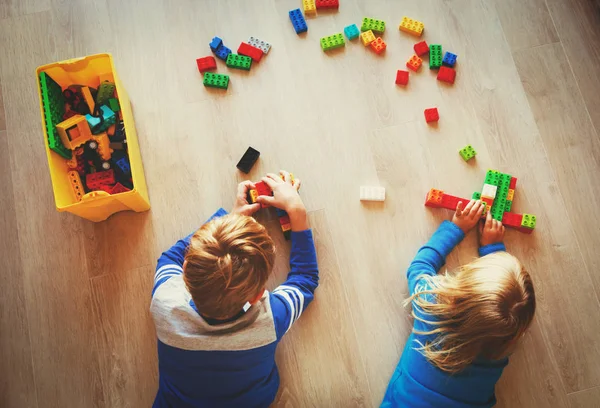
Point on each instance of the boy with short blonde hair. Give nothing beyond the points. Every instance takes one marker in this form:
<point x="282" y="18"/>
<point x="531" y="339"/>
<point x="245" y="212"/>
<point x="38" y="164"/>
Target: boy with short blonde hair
<point x="217" y="326"/>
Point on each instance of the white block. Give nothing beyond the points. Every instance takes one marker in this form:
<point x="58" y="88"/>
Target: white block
<point x="489" y="191"/>
<point x="368" y="193"/>
<point x="260" y="44"/>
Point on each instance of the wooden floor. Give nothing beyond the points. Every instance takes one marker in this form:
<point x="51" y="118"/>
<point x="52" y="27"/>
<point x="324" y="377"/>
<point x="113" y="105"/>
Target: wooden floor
<point x="74" y="324"/>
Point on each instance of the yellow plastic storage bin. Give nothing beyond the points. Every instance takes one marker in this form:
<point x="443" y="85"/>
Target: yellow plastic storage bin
<point x="96" y="205"/>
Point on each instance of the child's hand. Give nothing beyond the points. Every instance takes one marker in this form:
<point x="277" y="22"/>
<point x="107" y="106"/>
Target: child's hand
<point x="490" y="231"/>
<point x="467" y="217"/>
<point x="286" y="197"/>
<point x="241" y="205"/>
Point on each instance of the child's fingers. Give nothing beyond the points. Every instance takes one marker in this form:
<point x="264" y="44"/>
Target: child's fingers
<point x="469" y="206"/>
<point x="269" y="182"/>
<point x="488" y="221"/>
<point x="297" y="183"/>
<point x="265" y="200"/>
<point x="274" y="177"/>
<point x="244" y="186"/>
<point x="286" y="176"/>
<point x="477" y="210"/>
<point x="459" y="208"/>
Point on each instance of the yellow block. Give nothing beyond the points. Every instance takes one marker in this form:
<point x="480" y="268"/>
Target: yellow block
<point x="309" y="7"/>
<point x="103" y="146"/>
<point x="286" y="227"/>
<point x="74" y="131"/>
<point x="414" y="27"/>
<point x="253" y="196"/>
<point x="89" y="101"/>
<point x="367" y="37"/>
<point x="99" y="205"/>
<point x="76" y="185"/>
<point x="510" y="195"/>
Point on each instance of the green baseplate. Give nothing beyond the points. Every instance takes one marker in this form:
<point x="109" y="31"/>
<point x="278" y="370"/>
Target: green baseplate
<point x="53" y="104"/>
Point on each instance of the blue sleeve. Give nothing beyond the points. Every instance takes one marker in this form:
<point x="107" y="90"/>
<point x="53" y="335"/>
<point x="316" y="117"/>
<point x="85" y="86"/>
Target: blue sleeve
<point x="170" y="262"/>
<point x="290" y="299"/>
<point x="432" y="256"/>
<point x="491" y="248"/>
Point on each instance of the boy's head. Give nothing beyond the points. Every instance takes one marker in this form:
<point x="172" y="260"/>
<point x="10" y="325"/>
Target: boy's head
<point x="227" y="264"/>
<point x="481" y="310"/>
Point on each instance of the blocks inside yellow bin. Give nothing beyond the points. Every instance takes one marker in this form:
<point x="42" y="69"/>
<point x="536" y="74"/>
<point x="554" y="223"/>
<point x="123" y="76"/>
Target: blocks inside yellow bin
<point x="367" y="37"/>
<point x="76" y="185"/>
<point x="89" y="100"/>
<point x="74" y="131"/>
<point x="104" y="149"/>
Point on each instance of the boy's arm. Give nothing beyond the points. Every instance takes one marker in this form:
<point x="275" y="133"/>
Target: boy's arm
<point x="432" y="256"/>
<point x="491" y="248"/>
<point x="290" y="299"/>
<point x="170" y="263"/>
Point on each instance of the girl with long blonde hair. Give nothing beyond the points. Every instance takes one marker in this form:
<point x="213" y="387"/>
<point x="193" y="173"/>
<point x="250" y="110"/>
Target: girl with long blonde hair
<point x="466" y="322"/>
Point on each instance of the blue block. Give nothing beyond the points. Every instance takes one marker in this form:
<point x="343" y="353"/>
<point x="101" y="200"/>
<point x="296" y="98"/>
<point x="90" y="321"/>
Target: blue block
<point x="449" y="59"/>
<point x="298" y="21"/>
<point x="96" y="126"/>
<point x="223" y="52"/>
<point x="215" y="44"/>
<point x="280" y="213"/>
<point x="351" y="32"/>
<point x="123" y="164"/>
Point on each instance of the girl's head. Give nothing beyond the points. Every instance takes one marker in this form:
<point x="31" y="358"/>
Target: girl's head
<point x="480" y="310"/>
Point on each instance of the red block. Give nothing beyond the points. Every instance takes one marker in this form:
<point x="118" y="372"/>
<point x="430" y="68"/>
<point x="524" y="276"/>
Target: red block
<point x="250" y="51"/>
<point x="284" y="220"/>
<point x="446" y="74"/>
<point x="93" y="181"/>
<point x="434" y="198"/>
<point x="327" y="4"/>
<point x="513" y="183"/>
<point x="510" y="219"/>
<point x="451" y="202"/>
<point x="105" y="187"/>
<point x="431" y="115"/>
<point x="263" y="190"/>
<point x="119" y="188"/>
<point x="206" y="64"/>
<point x="421" y="48"/>
<point x="401" y="77"/>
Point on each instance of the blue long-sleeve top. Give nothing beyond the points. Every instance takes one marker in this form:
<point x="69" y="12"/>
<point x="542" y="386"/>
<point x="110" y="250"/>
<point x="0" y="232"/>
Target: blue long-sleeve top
<point x="416" y="383"/>
<point x="204" y="363"/>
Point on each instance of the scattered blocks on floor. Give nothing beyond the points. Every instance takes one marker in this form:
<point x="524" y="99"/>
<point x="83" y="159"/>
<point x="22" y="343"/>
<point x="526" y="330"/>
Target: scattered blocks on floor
<point x="467" y="152"/>
<point x="216" y="80"/>
<point x="414" y="63"/>
<point x="239" y="62"/>
<point x="410" y="26"/>
<point x="260" y="44"/>
<point x="432" y="115"/>
<point x="435" y="56"/>
<point x="378" y="45"/>
<point x="250" y="51"/>
<point x="206" y="64"/>
<point x="528" y="221"/>
<point x="401" y="77"/>
<point x="421" y="48"/>
<point x="332" y="41"/>
<point x="446" y="74"/>
<point x="327" y="4"/>
<point x="310" y="8"/>
<point x="372" y="193"/>
<point x="377" y="26"/>
<point x="298" y="21"/>
<point x="449" y="59"/>
<point x="351" y="31"/>
<point x="222" y="52"/>
<point x="215" y="43"/>
<point x="367" y="37"/>
<point x="434" y="198"/>
<point x="248" y="159"/>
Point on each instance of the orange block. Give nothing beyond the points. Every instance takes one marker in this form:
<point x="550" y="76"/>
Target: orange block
<point x="414" y="63"/>
<point x="378" y="45"/>
<point x="434" y="198"/>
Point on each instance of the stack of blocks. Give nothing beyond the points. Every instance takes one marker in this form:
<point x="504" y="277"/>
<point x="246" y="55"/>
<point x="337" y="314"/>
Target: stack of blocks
<point x="298" y="21"/>
<point x="332" y="41"/>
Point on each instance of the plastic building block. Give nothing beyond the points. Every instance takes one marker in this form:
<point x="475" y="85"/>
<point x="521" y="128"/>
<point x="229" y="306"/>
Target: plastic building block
<point x="377" y="26"/>
<point x="410" y="26"/>
<point x="74" y="131"/>
<point x="95" y="180"/>
<point x="76" y="185"/>
<point x="260" y="44"/>
<point x="261" y="189"/>
<point x="104" y="150"/>
<point x="449" y="59"/>
<point x="513" y="183"/>
<point x="476" y="196"/>
<point x="378" y="45"/>
<point x="421" y="48"/>
<point x="488" y="200"/>
<point x="432" y="115"/>
<point x="434" y="198"/>
<point x="401" y="77"/>
<point x="206" y="63"/>
<point x="367" y="37"/>
<point x="351" y="31"/>
<point x="113" y="104"/>
<point x="332" y="41"/>
<point x="467" y="152"/>
<point x="252" y="196"/>
<point x="489" y="190"/>
<point x="446" y="74"/>
<point x="88" y="98"/>
<point x="435" y="56"/>
<point x="512" y="220"/>
<point x="492" y="177"/>
<point x="327" y="4"/>
<point x="216" y="80"/>
<point x="414" y="63"/>
<point x="310" y="8"/>
<point x="239" y="62"/>
<point x="124" y="166"/>
<point x="507" y="206"/>
<point x="298" y="21"/>
<point x="250" y="51"/>
<point x="215" y="44"/>
<point x="102" y="121"/>
<point x="53" y="104"/>
<point x="528" y="221"/>
<point x="511" y="194"/>
<point x="105" y="91"/>
<point x="223" y="52"/>
<point x="248" y="159"/>
<point x="372" y="193"/>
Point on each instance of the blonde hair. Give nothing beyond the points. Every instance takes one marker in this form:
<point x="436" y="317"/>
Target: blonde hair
<point x="480" y="310"/>
<point x="227" y="264"/>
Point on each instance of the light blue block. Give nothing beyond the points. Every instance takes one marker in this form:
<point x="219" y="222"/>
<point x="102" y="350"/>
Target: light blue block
<point x="94" y="122"/>
<point x="351" y="31"/>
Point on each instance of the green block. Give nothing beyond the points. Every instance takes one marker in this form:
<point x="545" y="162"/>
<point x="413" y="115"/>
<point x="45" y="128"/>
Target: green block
<point x="239" y="62"/>
<point x="507" y="206"/>
<point x="105" y="92"/>
<point x="113" y="104"/>
<point x="215" y="80"/>
<point x="53" y="103"/>
<point x="467" y="152"/>
<point x="528" y="221"/>
<point x="435" y="56"/>
<point x="333" y="41"/>
<point x="378" y="26"/>
<point x="492" y="177"/>
<point x="476" y="196"/>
